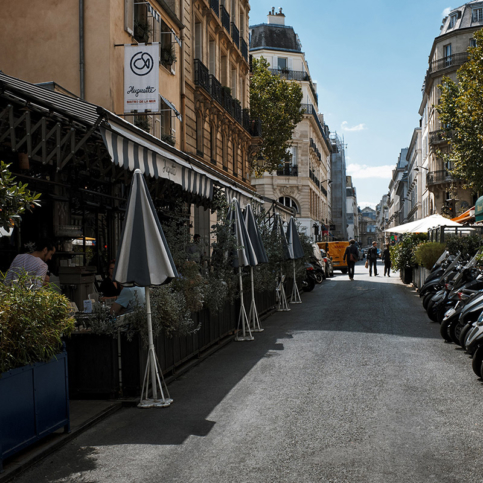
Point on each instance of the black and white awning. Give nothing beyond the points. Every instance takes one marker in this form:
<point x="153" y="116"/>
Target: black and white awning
<point x="133" y="152"/>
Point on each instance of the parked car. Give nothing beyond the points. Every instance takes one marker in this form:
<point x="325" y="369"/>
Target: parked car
<point x="318" y="262"/>
<point x="328" y="262"/>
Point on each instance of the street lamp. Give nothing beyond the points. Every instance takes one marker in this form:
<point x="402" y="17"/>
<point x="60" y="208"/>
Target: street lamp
<point x="422" y="167"/>
<point x="316" y="230"/>
<point x="329" y="181"/>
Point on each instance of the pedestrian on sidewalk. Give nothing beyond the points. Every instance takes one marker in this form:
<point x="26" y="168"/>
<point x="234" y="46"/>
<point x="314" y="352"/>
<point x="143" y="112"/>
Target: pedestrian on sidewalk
<point x="372" y="258"/>
<point x="386" y="256"/>
<point x="352" y="255"/>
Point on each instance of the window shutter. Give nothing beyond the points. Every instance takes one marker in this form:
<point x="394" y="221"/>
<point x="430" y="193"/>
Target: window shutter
<point x="129" y="16"/>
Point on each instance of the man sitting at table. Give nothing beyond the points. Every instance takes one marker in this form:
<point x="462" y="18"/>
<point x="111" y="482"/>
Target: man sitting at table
<point x="127" y="300"/>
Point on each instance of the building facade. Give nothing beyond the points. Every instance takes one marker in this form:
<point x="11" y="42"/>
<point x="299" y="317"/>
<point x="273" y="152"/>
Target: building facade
<point x="304" y="182"/>
<point x="448" y="53"/>
<point x="397" y="203"/>
<point x="338" y="188"/>
<point x="367" y="227"/>
<point x="351" y="210"/>
<point x="416" y="177"/>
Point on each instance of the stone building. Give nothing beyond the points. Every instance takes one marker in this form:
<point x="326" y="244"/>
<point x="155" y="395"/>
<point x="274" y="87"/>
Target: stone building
<point x="351" y="210"/>
<point x="397" y="203"/>
<point x="338" y="188"/>
<point x="367" y="227"/>
<point x="448" y="53"/>
<point x="416" y="177"/>
<point x="304" y="182"/>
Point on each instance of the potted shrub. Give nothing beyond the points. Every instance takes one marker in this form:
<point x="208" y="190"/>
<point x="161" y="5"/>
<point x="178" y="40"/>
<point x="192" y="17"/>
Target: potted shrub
<point x="168" y="55"/>
<point x="33" y="365"/>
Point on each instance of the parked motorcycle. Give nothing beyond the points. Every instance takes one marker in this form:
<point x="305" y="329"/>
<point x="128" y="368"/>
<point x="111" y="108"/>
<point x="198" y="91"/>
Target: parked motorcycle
<point x="309" y="282"/>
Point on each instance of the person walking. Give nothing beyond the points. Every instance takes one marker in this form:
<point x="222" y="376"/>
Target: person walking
<point x="352" y="255"/>
<point x="372" y="259"/>
<point x="386" y="256"/>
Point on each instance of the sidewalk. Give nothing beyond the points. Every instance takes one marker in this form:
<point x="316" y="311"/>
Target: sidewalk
<point x="83" y="414"/>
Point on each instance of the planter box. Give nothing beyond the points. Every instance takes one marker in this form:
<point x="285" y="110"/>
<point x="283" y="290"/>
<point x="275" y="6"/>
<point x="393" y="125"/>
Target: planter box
<point x="407" y="275"/>
<point x="34" y="403"/>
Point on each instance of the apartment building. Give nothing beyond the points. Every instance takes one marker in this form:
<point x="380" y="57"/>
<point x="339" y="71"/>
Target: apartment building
<point x="448" y="53"/>
<point x="351" y="210"/>
<point x="416" y="177"/>
<point x="338" y="188"/>
<point x="303" y="183"/>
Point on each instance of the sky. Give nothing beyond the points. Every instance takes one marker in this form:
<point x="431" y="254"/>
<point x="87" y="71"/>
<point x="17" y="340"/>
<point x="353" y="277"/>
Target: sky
<point x="369" y="60"/>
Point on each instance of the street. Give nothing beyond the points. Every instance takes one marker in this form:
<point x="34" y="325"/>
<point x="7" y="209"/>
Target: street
<point x="353" y="385"/>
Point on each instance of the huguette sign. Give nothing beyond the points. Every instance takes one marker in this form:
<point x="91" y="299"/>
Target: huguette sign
<point x="141" y="77"/>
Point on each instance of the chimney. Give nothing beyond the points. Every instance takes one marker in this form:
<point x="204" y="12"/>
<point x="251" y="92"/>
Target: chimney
<point x="276" y="18"/>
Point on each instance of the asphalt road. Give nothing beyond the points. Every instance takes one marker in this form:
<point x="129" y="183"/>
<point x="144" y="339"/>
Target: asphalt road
<point x="354" y="385"/>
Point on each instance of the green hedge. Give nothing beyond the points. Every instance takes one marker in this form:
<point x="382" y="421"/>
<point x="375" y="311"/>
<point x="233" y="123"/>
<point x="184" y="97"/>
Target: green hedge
<point x="427" y="254"/>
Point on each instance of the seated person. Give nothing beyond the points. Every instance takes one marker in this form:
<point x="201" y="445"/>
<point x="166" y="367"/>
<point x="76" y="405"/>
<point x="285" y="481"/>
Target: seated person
<point x="110" y="290"/>
<point x="127" y="300"/>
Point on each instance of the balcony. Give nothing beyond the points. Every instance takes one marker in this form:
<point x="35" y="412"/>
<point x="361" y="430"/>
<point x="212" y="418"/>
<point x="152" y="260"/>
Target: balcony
<point x="215" y="6"/>
<point x="296" y="75"/>
<point x="202" y="75"/>
<point x="440" y="136"/>
<point x="439" y="177"/>
<point x="225" y="18"/>
<point x="310" y="109"/>
<point x="454" y="60"/>
<point x="244" y="49"/>
<point x="215" y="88"/>
<point x="235" y="34"/>
<point x="288" y="170"/>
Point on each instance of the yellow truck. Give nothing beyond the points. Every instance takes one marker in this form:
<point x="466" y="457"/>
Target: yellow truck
<point x="336" y="251"/>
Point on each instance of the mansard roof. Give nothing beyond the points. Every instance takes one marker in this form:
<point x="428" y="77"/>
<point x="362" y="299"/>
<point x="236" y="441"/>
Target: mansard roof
<point x="273" y="36"/>
<point x="464" y="18"/>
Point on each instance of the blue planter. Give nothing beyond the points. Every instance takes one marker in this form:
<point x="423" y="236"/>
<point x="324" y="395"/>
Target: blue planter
<point x="34" y="402"/>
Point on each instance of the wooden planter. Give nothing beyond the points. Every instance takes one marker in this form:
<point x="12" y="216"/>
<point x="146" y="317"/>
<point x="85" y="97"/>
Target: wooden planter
<point x="34" y="403"/>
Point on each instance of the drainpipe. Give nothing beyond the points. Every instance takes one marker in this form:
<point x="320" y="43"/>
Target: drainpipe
<point x="81" y="49"/>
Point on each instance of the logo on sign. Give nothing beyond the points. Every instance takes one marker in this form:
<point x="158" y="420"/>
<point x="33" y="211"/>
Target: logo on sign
<point x="141" y="63"/>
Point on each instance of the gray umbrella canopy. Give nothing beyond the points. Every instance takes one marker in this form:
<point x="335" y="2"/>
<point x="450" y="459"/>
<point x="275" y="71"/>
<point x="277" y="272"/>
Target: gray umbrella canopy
<point x="245" y="255"/>
<point x="278" y="230"/>
<point x="254" y="234"/>
<point x="143" y="258"/>
<point x="293" y="239"/>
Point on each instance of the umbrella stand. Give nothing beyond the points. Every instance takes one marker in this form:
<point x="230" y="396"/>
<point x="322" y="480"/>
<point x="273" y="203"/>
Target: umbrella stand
<point x="282" y="305"/>
<point x="242" y="319"/>
<point x="295" y="299"/>
<point x="153" y="370"/>
<point x="253" y="314"/>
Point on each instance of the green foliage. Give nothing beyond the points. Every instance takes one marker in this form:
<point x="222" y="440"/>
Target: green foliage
<point x="277" y="103"/>
<point x="461" y="113"/>
<point x="428" y="253"/>
<point x="32" y="322"/>
<point x="402" y="254"/>
<point x="15" y="198"/>
<point x="467" y="245"/>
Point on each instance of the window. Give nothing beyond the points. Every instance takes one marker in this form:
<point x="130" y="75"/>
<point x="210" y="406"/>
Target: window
<point x="447" y="55"/>
<point x="212" y="51"/>
<point x="294" y="155"/>
<point x="477" y="15"/>
<point x="286" y="201"/>
<point x="224" y="64"/>
<point x="472" y="42"/>
<point x="235" y="159"/>
<point x="452" y="21"/>
<point x="213" y="144"/>
<point x="198" y="41"/>
<point x="199" y="135"/>
<point x="166" y="119"/>
<point x="224" y="152"/>
<point x="282" y="63"/>
<point x="167" y="52"/>
<point x="233" y="82"/>
<point x="233" y="12"/>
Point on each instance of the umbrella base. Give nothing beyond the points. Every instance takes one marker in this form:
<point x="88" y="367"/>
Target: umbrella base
<point x="154" y="403"/>
<point x="257" y="330"/>
<point x="243" y="338"/>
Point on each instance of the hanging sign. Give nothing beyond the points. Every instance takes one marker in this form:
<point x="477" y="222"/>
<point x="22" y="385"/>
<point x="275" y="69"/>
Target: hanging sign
<point x="141" y="77"/>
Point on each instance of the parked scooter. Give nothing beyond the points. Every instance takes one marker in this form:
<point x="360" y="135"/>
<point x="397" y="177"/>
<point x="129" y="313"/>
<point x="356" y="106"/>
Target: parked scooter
<point x="309" y="282"/>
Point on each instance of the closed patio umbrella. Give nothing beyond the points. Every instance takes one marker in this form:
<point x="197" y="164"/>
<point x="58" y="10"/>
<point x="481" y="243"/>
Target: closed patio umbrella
<point x="277" y="229"/>
<point x="259" y="249"/>
<point x="245" y="256"/>
<point x="144" y="260"/>
<point x="296" y="252"/>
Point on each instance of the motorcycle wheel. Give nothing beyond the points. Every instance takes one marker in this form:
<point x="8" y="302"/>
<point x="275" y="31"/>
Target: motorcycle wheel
<point x="454" y="332"/>
<point x="464" y="334"/>
<point x="440" y="311"/>
<point x="319" y="278"/>
<point x="433" y="311"/>
<point x="310" y="285"/>
<point x="443" y="330"/>
<point x="426" y="299"/>
<point x="477" y="360"/>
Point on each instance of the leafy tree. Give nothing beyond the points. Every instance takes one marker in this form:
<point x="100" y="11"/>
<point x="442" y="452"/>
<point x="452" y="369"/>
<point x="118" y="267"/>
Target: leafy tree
<point x="461" y="114"/>
<point x="277" y="103"/>
<point x="15" y="198"/>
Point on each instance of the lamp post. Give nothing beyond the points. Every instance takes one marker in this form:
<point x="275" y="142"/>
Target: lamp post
<point x="315" y="226"/>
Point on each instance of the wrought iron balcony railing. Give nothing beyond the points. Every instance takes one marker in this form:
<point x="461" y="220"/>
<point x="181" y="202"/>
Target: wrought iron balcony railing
<point x="453" y="60"/>
<point x="310" y="109"/>
<point x="235" y="34"/>
<point x="244" y="49"/>
<point x="202" y="75"/>
<point x="215" y="88"/>
<point x="215" y="6"/>
<point x="225" y="18"/>
<point x="440" y="136"/>
<point x="288" y="170"/>
<point x="439" y="177"/>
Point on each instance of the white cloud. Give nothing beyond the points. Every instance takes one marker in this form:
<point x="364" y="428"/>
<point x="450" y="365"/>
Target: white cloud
<point x="361" y="171"/>
<point x="446" y="12"/>
<point x="359" y="127"/>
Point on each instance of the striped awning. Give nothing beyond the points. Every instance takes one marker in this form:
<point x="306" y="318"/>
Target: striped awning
<point x="132" y="152"/>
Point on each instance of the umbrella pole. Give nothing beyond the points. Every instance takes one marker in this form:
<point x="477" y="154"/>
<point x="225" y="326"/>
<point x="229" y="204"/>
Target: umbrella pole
<point x="152" y="368"/>
<point x="253" y="315"/>
<point x="242" y="318"/>
<point x="283" y="304"/>
<point x="295" y="299"/>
